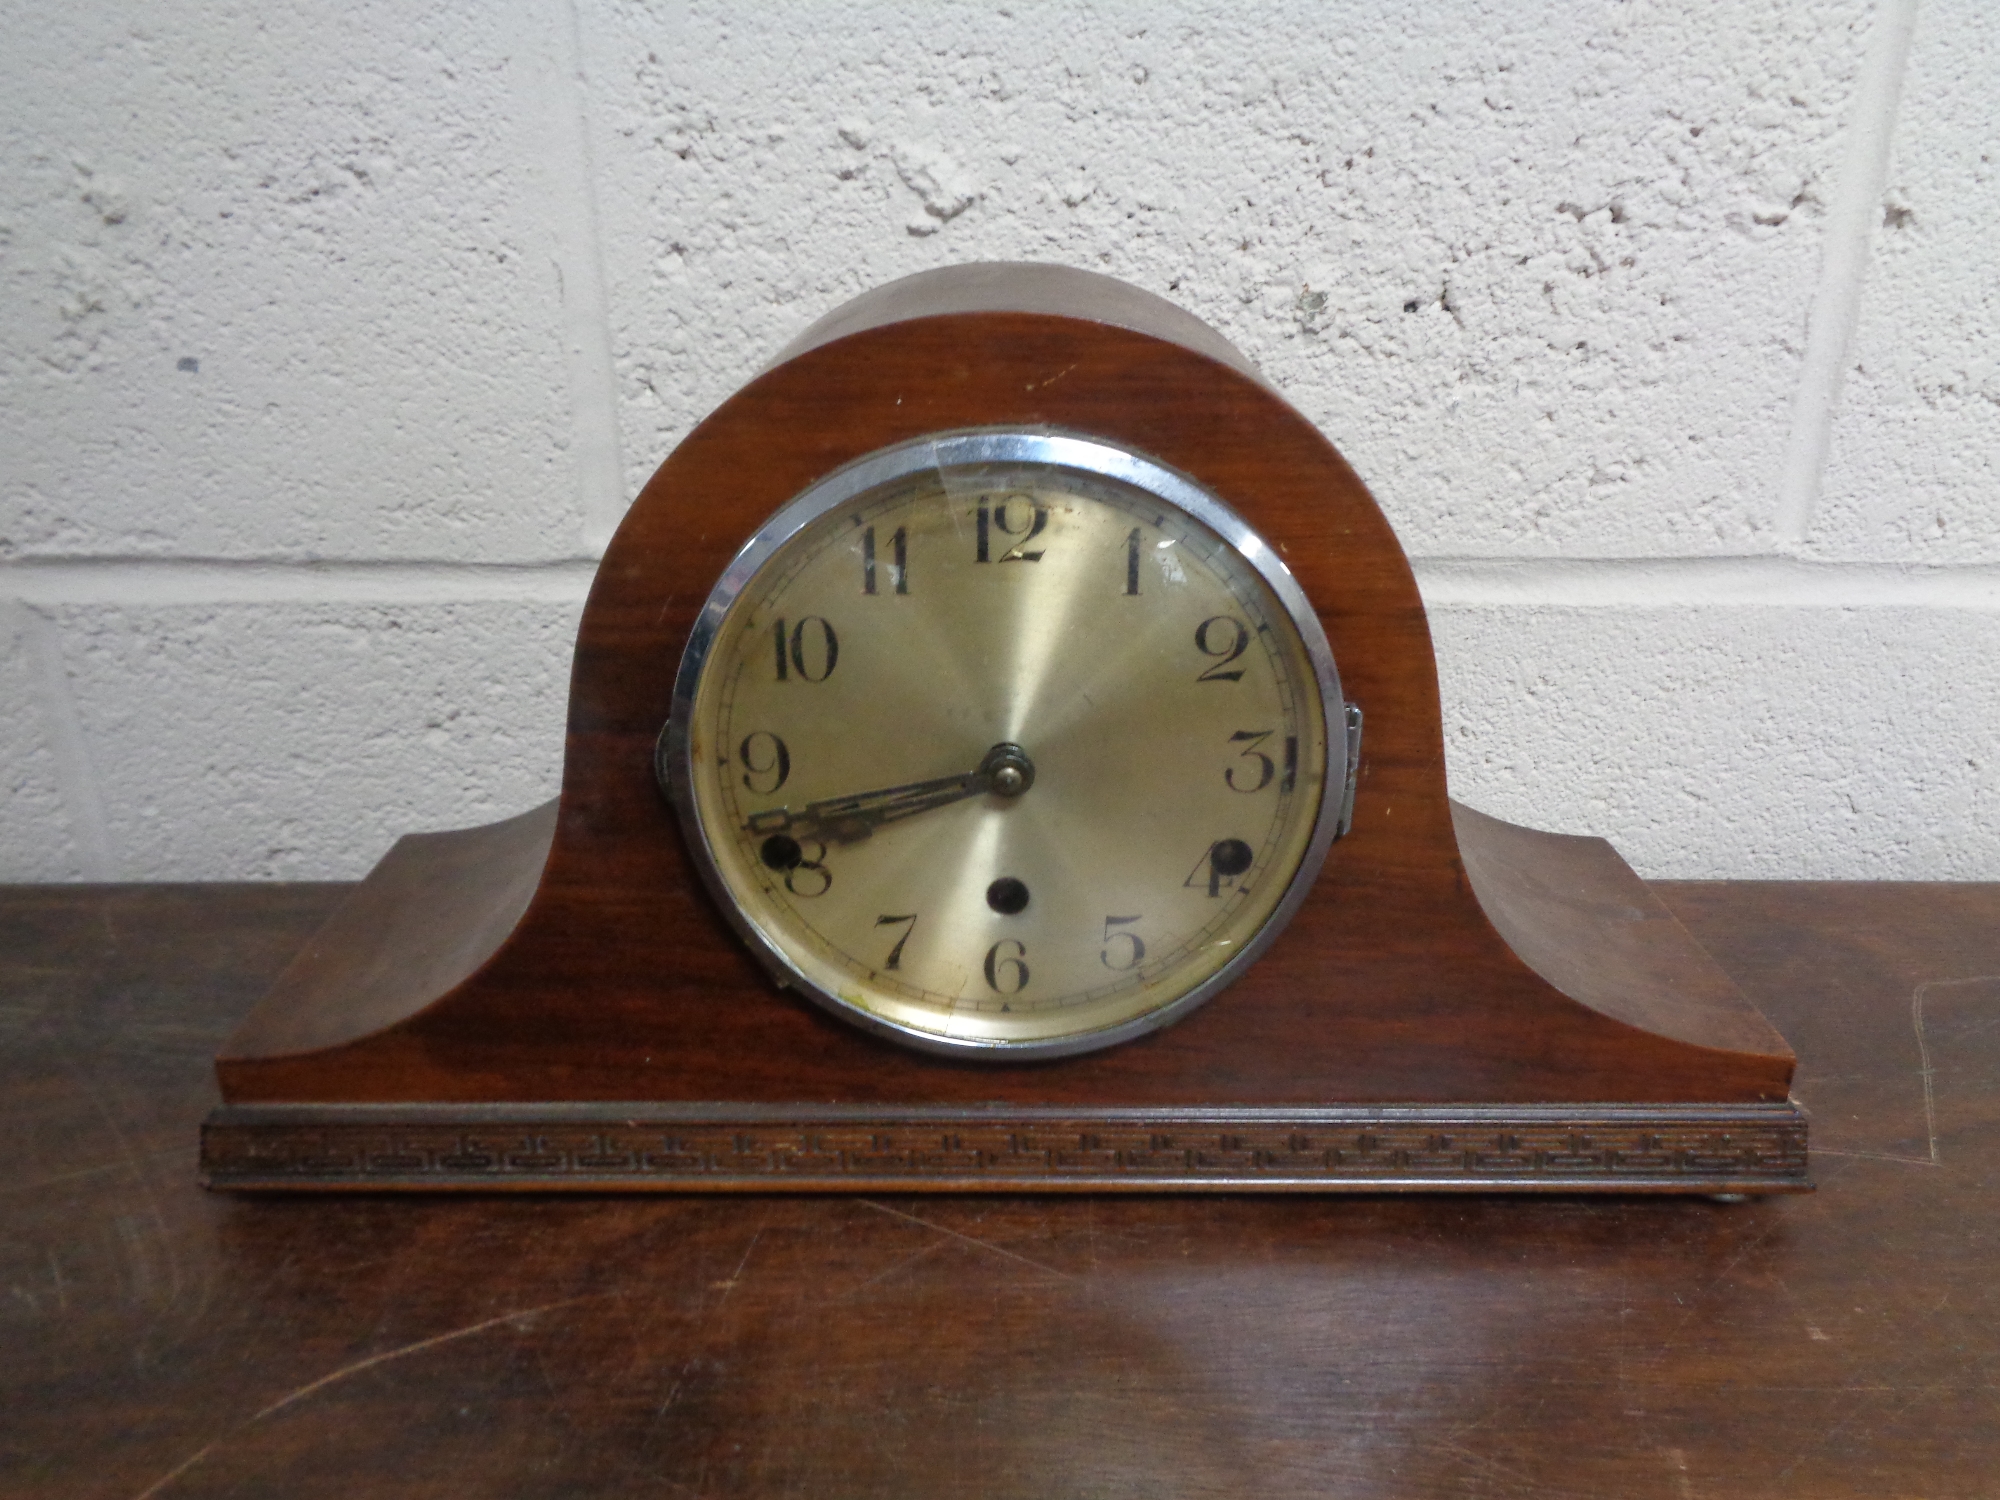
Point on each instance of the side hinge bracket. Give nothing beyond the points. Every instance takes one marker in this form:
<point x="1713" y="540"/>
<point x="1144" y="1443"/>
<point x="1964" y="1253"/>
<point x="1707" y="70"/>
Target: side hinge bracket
<point x="1353" y="771"/>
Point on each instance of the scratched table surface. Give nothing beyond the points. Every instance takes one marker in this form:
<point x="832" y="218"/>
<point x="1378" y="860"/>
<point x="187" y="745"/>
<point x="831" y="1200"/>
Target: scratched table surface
<point x="162" y="1341"/>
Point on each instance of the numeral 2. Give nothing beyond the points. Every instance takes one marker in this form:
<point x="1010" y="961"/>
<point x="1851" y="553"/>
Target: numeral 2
<point x="1227" y="647"/>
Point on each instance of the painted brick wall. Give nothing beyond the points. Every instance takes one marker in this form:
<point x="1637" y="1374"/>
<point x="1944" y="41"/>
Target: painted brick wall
<point x="333" y="341"/>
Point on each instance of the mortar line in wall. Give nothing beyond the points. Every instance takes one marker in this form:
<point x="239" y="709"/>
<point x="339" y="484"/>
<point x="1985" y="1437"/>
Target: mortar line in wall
<point x="1835" y="311"/>
<point x="593" y="376"/>
<point x="1713" y="582"/>
<point x="173" y="581"/>
<point x="1595" y="582"/>
<point x="75" y="771"/>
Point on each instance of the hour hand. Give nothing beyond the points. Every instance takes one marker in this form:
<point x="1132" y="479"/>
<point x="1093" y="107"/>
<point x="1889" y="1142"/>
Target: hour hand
<point x="1005" y="770"/>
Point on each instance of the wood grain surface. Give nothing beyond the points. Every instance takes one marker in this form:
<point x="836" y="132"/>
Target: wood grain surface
<point x="622" y="983"/>
<point x="163" y="1342"/>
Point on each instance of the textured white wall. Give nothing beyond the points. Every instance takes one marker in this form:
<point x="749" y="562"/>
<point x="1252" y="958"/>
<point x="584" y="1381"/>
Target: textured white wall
<point x="334" y="339"/>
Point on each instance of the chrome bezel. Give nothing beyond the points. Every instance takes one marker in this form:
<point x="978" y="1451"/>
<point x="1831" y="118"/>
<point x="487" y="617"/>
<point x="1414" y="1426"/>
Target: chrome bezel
<point x="956" y="450"/>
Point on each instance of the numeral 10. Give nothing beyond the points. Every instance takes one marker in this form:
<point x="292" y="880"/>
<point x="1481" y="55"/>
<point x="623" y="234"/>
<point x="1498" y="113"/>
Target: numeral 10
<point x="792" y="656"/>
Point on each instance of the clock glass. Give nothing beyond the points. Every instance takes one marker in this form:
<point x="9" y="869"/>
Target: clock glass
<point x="1006" y="744"/>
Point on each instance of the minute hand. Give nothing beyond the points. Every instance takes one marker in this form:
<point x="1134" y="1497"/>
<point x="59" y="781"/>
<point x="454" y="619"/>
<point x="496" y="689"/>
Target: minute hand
<point x="845" y="820"/>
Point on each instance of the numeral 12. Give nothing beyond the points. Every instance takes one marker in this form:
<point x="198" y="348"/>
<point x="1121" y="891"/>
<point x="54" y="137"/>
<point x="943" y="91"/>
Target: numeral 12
<point x="989" y="519"/>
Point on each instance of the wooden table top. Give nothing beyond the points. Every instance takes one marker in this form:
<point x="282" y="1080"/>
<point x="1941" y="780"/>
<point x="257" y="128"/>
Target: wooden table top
<point x="162" y="1341"/>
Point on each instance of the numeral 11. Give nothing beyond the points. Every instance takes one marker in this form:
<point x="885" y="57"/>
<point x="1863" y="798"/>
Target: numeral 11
<point x="899" y="566"/>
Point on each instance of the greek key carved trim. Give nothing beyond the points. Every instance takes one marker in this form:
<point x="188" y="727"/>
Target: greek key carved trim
<point x="1757" y="1148"/>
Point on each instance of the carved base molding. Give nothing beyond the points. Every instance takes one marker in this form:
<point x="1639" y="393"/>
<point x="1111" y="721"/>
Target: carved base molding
<point x="1624" y="1148"/>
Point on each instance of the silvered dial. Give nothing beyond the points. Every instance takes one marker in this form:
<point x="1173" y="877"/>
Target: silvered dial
<point x="1006" y="744"/>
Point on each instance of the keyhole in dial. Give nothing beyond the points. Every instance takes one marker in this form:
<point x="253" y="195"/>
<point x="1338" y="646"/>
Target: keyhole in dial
<point x="1007" y="896"/>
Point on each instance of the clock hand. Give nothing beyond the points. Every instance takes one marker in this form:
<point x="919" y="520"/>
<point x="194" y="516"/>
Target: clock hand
<point x="1005" y="770"/>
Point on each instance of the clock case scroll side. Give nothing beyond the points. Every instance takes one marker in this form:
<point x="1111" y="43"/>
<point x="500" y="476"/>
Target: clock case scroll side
<point x="554" y="1001"/>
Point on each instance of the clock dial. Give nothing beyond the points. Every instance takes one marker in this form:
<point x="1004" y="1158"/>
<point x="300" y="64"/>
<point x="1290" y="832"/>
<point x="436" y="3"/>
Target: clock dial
<point x="1006" y="744"/>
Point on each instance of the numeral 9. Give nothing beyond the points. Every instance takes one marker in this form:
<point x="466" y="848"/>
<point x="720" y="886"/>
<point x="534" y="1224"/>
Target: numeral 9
<point x="764" y="754"/>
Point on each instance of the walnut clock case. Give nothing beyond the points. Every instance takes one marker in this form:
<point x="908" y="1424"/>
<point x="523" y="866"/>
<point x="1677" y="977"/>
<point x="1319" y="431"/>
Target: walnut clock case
<point x="1004" y="754"/>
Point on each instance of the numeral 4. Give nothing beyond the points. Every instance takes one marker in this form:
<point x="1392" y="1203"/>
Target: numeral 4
<point x="1219" y="865"/>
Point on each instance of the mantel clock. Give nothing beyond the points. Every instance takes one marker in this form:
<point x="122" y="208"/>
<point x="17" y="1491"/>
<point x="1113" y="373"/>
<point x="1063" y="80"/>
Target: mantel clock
<point x="1004" y="754"/>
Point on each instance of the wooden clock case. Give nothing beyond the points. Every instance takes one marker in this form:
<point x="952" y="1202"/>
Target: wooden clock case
<point x="554" y="1001"/>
